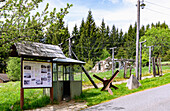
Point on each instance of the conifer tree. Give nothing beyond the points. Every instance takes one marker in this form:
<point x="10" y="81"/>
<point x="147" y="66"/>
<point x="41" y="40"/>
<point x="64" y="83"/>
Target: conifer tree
<point x="113" y="37"/>
<point x="82" y="41"/>
<point x="75" y="40"/>
<point x="130" y="41"/>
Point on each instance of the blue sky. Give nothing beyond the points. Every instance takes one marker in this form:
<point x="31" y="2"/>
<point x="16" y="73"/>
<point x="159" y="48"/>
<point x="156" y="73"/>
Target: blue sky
<point x="121" y="13"/>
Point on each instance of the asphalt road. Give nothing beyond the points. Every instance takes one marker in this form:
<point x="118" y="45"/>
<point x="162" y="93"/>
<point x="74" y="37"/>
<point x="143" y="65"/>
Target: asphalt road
<point x="155" y="99"/>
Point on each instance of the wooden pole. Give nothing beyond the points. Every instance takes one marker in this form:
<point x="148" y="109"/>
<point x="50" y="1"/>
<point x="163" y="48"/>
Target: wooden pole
<point x="137" y="39"/>
<point x="51" y="95"/>
<point x="149" y="59"/>
<point x="160" y="65"/>
<point x="157" y="64"/>
<point x="51" y="89"/>
<point x="113" y="59"/>
<point x="153" y="66"/>
<point x="125" y="69"/>
<point x="22" y="89"/>
<point x="21" y="98"/>
<point x="130" y="70"/>
<point x="140" y="64"/>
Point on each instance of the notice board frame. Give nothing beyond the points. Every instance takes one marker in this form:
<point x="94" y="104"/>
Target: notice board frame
<point x="33" y="61"/>
<point x="22" y="89"/>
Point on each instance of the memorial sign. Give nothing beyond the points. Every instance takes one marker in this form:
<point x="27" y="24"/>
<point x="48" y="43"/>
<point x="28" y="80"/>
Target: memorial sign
<point x="36" y="74"/>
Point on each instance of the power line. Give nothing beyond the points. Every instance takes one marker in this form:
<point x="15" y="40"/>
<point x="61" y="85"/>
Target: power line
<point x="157" y="5"/>
<point x="157" y="11"/>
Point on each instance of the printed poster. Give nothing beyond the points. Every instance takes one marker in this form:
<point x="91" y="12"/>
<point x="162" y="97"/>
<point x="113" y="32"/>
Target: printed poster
<point x="37" y="74"/>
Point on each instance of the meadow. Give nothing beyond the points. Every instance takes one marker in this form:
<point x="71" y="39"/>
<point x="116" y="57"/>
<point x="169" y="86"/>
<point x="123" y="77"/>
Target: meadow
<point x="34" y="98"/>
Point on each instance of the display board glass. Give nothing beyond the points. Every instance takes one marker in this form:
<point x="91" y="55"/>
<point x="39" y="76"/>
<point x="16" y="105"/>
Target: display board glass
<point x="36" y="74"/>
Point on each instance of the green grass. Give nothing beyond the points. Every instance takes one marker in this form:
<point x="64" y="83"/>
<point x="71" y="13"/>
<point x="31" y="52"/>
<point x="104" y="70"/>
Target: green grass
<point x="10" y="96"/>
<point x="120" y="76"/>
<point x="167" y="62"/>
<point x="34" y="98"/>
<point x="95" y="96"/>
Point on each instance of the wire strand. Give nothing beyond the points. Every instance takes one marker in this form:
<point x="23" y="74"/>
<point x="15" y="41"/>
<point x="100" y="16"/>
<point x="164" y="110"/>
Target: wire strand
<point x="157" y="11"/>
<point x="157" y="5"/>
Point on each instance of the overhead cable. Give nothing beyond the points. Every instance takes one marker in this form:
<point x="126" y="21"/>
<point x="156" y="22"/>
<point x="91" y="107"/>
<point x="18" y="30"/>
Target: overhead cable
<point x="157" y="5"/>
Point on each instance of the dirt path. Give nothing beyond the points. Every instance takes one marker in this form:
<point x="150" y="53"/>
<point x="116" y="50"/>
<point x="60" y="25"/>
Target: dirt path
<point x="63" y="106"/>
<point x="74" y="105"/>
<point x="71" y="105"/>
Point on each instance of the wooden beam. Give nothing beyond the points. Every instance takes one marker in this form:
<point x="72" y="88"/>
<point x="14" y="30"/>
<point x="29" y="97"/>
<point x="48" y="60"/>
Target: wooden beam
<point x="22" y="89"/>
<point x="21" y="98"/>
<point x="51" y="95"/>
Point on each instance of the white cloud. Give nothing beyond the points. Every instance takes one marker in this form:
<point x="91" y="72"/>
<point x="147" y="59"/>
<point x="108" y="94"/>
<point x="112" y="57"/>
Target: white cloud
<point x="114" y="1"/>
<point x="130" y="1"/>
<point x="121" y="18"/>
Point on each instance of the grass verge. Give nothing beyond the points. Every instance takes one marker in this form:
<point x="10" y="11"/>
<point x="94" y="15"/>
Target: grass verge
<point x="10" y="97"/>
<point x="95" y="96"/>
<point x="120" y="76"/>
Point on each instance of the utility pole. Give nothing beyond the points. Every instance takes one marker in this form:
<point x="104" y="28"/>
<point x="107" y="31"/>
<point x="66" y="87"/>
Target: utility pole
<point x="113" y="59"/>
<point x="137" y="36"/>
<point x="69" y="47"/>
<point x="140" y="65"/>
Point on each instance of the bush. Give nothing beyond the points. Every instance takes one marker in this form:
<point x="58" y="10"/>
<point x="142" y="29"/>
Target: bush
<point x="14" y="68"/>
<point x="167" y="56"/>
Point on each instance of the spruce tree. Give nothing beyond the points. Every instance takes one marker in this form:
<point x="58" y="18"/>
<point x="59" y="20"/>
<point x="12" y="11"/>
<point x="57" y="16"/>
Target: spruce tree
<point x="130" y="41"/>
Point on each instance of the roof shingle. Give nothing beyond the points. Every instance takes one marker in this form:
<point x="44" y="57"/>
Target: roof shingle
<point x="39" y="50"/>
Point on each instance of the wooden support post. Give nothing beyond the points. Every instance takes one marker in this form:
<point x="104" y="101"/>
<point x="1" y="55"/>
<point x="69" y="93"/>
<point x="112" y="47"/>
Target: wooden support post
<point x="51" y="95"/>
<point x="140" y="63"/>
<point x="150" y="58"/>
<point x="137" y="39"/>
<point x="157" y="64"/>
<point x="160" y="66"/>
<point x="113" y="59"/>
<point x="51" y="89"/>
<point x="22" y="89"/>
<point x="153" y="66"/>
<point x="119" y="64"/>
<point x="125" y="69"/>
<point x="21" y="98"/>
<point x="130" y="70"/>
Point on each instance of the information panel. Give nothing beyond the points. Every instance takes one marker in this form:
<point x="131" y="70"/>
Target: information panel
<point x="37" y="74"/>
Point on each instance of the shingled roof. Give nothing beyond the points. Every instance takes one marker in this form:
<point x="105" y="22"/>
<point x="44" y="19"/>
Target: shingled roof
<point x="4" y="77"/>
<point x="34" y="49"/>
<point x="68" y="61"/>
